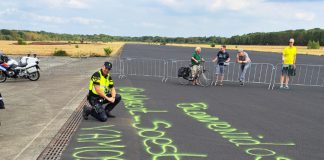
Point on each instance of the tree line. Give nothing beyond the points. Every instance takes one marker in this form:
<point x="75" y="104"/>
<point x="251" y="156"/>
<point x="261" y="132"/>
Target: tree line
<point x="302" y="37"/>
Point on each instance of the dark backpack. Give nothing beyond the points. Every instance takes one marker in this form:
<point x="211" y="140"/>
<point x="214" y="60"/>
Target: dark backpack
<point x="181" y="71"/>
<point x="184" y="72"/>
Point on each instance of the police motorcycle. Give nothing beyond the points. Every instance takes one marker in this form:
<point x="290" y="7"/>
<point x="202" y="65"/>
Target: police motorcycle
<point x="27" y="68"/>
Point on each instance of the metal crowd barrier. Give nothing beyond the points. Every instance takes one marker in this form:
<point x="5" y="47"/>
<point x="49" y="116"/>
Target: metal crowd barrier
<point x="172" y="68"/>
<point x="257" y="73"/>
<point x="306" y="75"/>
<point x="260" y="73"/>
<point x="144" y="67"/>
<point x="118" y="66"/>
<point x="174" y="65"/>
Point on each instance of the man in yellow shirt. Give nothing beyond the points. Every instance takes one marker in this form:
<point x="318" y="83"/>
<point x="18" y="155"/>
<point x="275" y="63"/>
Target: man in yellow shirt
<point x="288" y="64"/>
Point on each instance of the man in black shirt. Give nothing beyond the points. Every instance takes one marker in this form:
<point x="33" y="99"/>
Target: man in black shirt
<point x="222" y="59"/>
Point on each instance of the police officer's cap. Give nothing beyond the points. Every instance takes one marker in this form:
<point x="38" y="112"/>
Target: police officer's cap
<point x="108" y="65"/>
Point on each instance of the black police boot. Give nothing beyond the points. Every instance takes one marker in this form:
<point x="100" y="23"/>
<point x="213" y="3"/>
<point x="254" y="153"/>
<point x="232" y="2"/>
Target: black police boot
<point x="109" y="115"/>
<point x="86" y="111"/>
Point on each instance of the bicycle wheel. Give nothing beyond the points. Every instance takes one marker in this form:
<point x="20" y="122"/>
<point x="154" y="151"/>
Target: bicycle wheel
<point x="205" y="78"/>
<point x="183" y="81"/>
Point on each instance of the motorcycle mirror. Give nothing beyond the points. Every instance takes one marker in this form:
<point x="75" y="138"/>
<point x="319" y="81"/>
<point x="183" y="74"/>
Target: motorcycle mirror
<point x="28" y="55"/>
<point x="35" y="55"/>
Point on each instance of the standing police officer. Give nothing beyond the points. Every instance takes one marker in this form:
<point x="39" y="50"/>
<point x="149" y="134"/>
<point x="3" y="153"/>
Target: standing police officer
<point x="101" y="91"/>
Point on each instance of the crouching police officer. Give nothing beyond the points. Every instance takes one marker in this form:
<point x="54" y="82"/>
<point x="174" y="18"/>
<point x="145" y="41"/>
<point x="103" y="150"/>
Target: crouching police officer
<point x="101" y="91"/>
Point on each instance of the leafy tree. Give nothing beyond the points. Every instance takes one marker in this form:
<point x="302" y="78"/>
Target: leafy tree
<point x="302" y="37"/>
<point x="108" y="51"/>
<point x="21" y="42"/>
<point x="313" y="45"/>
<point x="60" y="53"/>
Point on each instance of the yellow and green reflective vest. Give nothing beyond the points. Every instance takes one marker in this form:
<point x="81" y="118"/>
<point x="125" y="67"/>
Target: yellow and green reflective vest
<point x="106" y="83"/>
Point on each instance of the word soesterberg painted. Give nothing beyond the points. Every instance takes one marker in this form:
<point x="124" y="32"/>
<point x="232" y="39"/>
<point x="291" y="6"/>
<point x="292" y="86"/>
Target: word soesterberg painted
<point x="154" y="137"/>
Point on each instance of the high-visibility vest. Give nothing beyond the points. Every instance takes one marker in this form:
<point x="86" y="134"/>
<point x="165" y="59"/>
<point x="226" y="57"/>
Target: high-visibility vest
<point x="104" y="83"/>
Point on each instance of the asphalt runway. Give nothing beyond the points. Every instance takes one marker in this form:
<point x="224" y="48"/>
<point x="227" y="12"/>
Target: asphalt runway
<point x="182" y="53"/>
<point x="35" y="111"/>
<point x="171" y="121"/>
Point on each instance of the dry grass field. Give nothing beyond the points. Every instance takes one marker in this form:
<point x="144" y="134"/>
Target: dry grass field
<point x="89" y="49"/>
<point x="276" y="49"/>
<point x="74" y="50"/>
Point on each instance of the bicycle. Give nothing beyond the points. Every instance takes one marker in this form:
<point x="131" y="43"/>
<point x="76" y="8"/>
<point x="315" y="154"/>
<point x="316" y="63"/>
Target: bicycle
<point x="185" y="75"/>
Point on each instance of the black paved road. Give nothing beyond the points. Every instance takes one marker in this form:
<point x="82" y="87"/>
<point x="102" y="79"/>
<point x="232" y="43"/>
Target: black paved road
<point x="170" y="121"/>
<point x="172" y="52"/>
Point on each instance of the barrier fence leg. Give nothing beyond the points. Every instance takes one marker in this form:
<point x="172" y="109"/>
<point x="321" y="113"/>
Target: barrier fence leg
<point x="165" y="71"/>
<point x="271" y="78"/>
<point x="274" y="77"/>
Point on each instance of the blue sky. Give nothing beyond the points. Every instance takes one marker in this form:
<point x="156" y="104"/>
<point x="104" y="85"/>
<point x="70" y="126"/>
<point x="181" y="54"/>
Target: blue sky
<point x="170" y="18"/>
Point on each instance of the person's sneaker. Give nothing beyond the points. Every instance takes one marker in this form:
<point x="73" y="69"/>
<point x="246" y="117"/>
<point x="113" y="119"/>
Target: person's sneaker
<point x="241" y="84"/>
<point x="281" y="87"/>
<point x="85" y="112"/>
<point x="286" y="87"/>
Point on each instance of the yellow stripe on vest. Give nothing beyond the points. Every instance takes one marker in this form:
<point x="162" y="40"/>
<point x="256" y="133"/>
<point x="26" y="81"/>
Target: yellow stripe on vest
<point x="104" y="84"/>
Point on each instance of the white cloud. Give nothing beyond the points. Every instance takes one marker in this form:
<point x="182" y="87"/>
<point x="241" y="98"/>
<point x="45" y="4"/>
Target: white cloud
<point x="48" y="19"/>
<point x="78" y="4"/>
<point x="305" y="16"/>
<point x="86" y="21"/>
<point x="8" y="11"/>
<point x="180" y="6"/>
<point x="162" y="17"/>
<point x="171" y="3"/>
<point x="7" y="23"/>
<point x="234" y="5"/>
<point x="209" y="5"/>
<point x="151" y="25"/>
<point x="14" y="14"/>
<point x="62" y="20"/>
<point x="215" y="5"/>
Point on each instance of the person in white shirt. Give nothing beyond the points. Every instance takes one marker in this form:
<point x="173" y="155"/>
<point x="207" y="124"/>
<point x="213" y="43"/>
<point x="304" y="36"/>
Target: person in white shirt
<point x="245" y="61"/>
